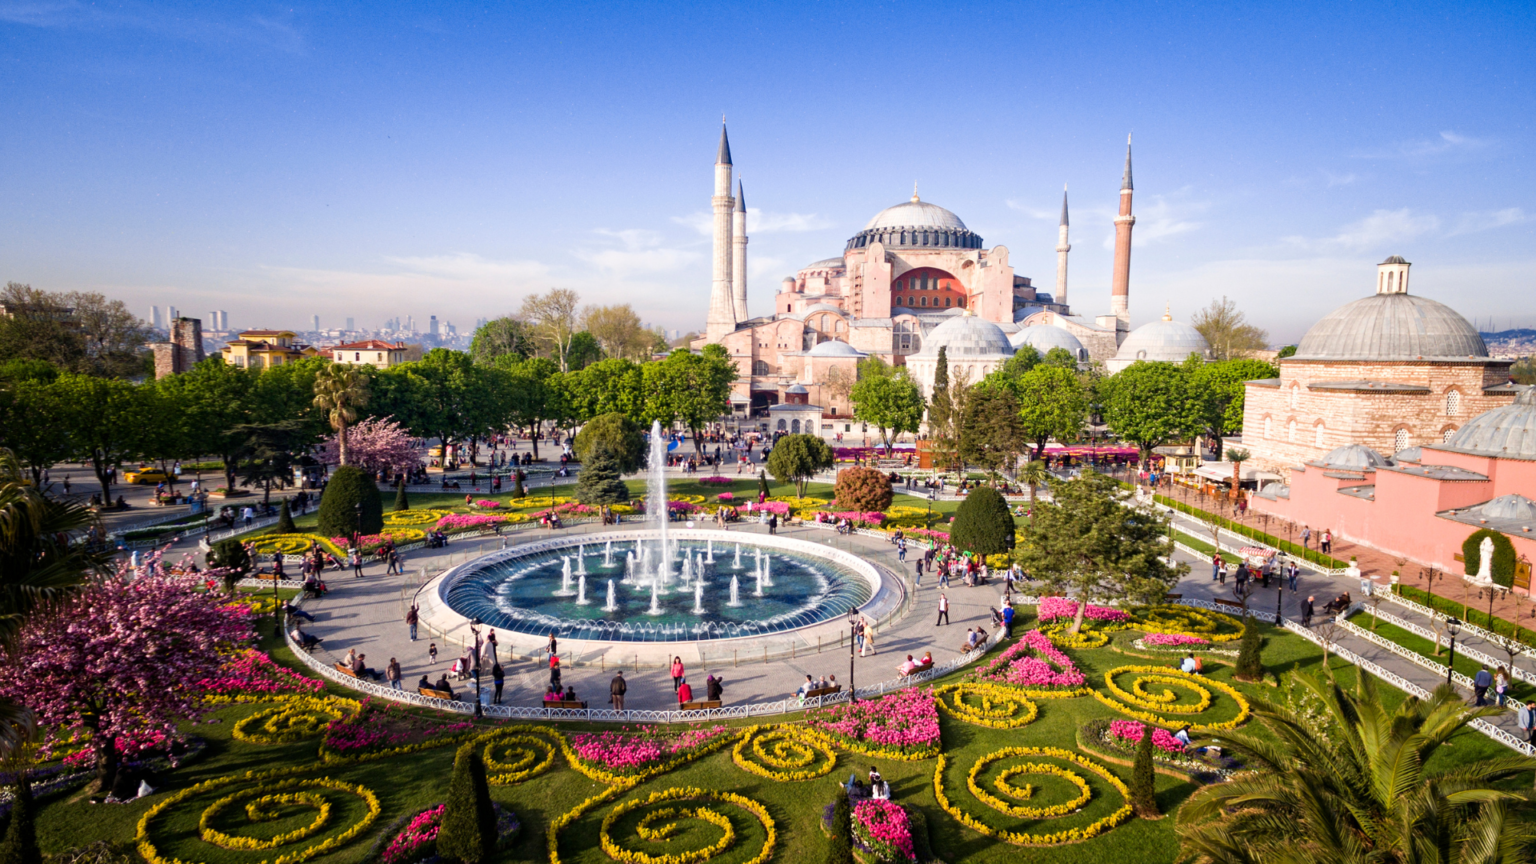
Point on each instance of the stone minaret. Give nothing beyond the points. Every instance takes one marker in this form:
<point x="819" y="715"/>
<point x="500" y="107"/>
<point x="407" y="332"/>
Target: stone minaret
<point x="1120" y="294"/>
<point x="1062" y="248"/>
<point x="739" y="254"/>
<point x="722" y="306"/>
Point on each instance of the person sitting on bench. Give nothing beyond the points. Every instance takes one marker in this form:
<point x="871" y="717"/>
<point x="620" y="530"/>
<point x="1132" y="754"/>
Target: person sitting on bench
<point x="906" y="668"/>
<point x="305" y="640"/>
<point x="424" y="684"/>
<point x="570" y="694"/>
<point x="442" y="686"/>
<point x="293" y="611"/>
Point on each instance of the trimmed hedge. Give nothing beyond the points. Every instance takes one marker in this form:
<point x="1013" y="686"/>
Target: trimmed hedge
<point x="468" y="827"/>
<point x="1503" y="556"/>
<point x="983" y="523"/>
<point x="1468" y="613"/>
<point x="1289" y="548"/>
<point x="339" y="514"/>
<point x="864" y="489"/>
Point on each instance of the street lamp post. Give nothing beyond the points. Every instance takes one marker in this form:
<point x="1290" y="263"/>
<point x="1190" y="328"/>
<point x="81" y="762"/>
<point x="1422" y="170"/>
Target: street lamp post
<point x="853" y="638"/>
<point x="1453" y="627"/>
<point x="474" y="629"/>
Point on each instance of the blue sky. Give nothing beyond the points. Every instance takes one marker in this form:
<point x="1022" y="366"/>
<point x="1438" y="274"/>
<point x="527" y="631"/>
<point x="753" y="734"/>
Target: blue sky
<point x="375" y="160"/>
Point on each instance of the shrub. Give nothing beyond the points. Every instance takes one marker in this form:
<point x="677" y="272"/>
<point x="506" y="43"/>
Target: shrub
<point x="339" y="514"/>
<point x="599" y="481"/>
<point x="842" y="831"/>
<point x="232" y="554"/>
<point x="1250" y="667"/>
<point x="1143" y="781"/>
<point x="468" y="831"/>
<point x="401" y="502"/>
<point x="983" y="523"/>
<point x="1503" y="556"/>
<point x="762" y="484"/>
<point x="863" y="489"/>
<point x="517" y="484"/>
<point x="285" y="520"/>
<point x="20" y="843"/>
<point x="617" y="434"/>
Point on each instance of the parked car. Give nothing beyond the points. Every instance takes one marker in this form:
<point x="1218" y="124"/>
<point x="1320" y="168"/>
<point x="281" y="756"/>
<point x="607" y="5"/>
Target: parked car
<point x="145" y="474"/>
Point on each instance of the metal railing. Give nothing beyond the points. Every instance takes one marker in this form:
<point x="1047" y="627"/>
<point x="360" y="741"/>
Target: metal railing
<point x="1465" y="650"/>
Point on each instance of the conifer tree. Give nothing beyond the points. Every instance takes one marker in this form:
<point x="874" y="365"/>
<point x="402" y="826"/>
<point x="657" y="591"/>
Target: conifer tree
<point x="1250" y="666"/>
<point x="468" y="831"/>
<point x="842" y="831"/>
<point x="600" y="481"/>
<point x="285" y="520"/>
<point x="1143" y="780"/>
<point x="401" y="502"/>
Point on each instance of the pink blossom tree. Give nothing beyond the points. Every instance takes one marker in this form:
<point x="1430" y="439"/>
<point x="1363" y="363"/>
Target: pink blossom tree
<point x="121" y="659"/>
<point x="375" y="444"/>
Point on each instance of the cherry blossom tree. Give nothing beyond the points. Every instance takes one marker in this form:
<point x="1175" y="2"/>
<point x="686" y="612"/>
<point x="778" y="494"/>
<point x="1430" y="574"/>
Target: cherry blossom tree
<point x="375" y="444"/>
<point x="120" y="658"/>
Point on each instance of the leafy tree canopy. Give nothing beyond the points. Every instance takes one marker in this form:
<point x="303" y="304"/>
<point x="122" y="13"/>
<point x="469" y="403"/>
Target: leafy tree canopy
<point x="615" y="434"/>
<point x="890" y="402"/>
<point x="1149" y="404"/>
<point x="797" y="458"/>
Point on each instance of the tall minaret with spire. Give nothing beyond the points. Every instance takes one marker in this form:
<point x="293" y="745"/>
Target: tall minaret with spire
<point x="739" y="254"/>
<point x="1062" y="248"/>
<point x="1120" y="293"/>
<point x="722" y="306"/>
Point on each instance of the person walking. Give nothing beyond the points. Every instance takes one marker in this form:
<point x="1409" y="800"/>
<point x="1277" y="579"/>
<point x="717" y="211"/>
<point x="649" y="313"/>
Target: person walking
<point x="247" y="515"/>
<point x="919" y="582"/>
<point x="677" y="673"/>
<point x="490" y="641"/>
<point x="554" y="671"/>
<point x="901" y="549"/>
<point x="499" y="678"/>
<point x="1480" y="685"/>
<point x="1306" y="537"/>
<point x="1327" y="544"/>
<point x="1215" y="566"/>
<point x="943" y="611"/>
<point x="1306" y="613"/>
<point x="553" y="647"/>
<point x="1500" y="684"/>
<point x="394" y="563"/>
<point x="1292" y="572"/>
<point x="713" y="688"/>
<point x="616" y="690"/>
<point x="869" y="640"/>
<point x="1526" y="715"/>
<point x="943" y="574"/>
<point x="1007" y="620"/>
<point x="393" y="671"/>
<point x="412" y="619"/>
<point x="357" y="563"/>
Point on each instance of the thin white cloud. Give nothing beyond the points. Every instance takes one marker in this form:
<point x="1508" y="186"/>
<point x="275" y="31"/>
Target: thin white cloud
<point x="1032" y="211"/>
<point x="259" y="30"/>
<point x="1381" y="227"/>
<point x="1472" y="223"/>
<point x="759" y="222"/>
<point x="639" y="251"/>
<point x="1162" y="219"/>
<point x="700" y="222"/>
<point x="469" y="266"/>
<point x="1447" y="143"/>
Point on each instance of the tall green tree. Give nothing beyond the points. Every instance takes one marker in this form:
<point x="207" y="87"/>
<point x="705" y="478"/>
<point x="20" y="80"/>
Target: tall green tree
<point x="1366" y="781"/>
<point x="1227" y="331"/>
<point x="797" y="458"/>
<point x="501" y="337"/>
<point x="1220" y="388"/>
<point x="991" y="433"/>
<point x="34" y="423"/>
<point x="888" y="400"/>
<point x="584" y="351"/>
<point x="551" y="321"/>
<point x="691" y="389"/>
<point x="468" y="827"/>
<point x="108" y="420"/>
<point x="534" y="403"/>
<point x="618" y="436"/>
<point x="269" y="454"/>
<point x="341" y="391"/>
<point x="608" y="386"/>
<point x="1052" y="404"/>
<point x="1087" y="543"/>
<point x="210" y="401"/>
<point x="983" y="524"/>
<point x="1150" y="404"/>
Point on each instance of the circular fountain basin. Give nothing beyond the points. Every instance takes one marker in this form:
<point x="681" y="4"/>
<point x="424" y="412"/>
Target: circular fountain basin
<point x="525" y="589"/>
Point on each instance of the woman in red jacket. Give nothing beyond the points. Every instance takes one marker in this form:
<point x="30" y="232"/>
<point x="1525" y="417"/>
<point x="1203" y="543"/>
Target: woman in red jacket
<point x="684" y="692"/>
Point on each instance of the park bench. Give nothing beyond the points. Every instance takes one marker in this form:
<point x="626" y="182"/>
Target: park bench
<point x="823" y="691"/>
<point x="564" y="703"/>
<point x="699" y="705"/>
<point x="1228" y="604"/>
<point x="922" y="667"/>
<point x="1169" y="598"/>
<point x="346" y="670"/>
<point x="435" y="694"/>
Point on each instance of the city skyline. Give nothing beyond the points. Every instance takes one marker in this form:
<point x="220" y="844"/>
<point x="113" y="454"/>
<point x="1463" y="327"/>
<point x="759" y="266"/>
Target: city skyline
<point x="1278" y="160"/>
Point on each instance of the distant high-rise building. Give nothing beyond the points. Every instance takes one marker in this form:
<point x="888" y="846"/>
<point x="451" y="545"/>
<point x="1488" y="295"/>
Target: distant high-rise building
<point x="170" y="316"/>
<point x="432" y="326"/>
<point x="223" y="320"/>
<point x="213" y="320"/>
<point x="314" y="323"/>
<point x="349" y="325"/>
<point x="154" y="317"/>
<point x="410" y="323"/>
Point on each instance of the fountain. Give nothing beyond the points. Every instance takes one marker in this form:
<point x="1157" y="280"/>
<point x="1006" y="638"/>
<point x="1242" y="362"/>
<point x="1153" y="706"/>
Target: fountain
<point x="656" y="497"/>
<point x="565" y="577"/>
<point x="608" y="554"/>
<point x="610" y="606"/>
<point x="655" y="598"/>
<point x="581" y="590"/>
<point x="709" y="557"/>
<point x="629" y="567"/>
<point x="737" y="565"/>
<point x="698" y="597"/>
<point x="581" y="560"/>
<point x="758" y="591"/>
<point x="735" y="592"/>
<point x="768" y="571"/>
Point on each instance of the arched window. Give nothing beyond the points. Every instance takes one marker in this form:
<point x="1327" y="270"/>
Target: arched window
<point x="1268" y="428"/>
<point x="946" y="301"/>
<point x="1400" y="441"/>
<point x="759" y="367"/>
<point x="925" y="301"/>
<point x="794" y="426"/>
<point x="1290" y="431"/>
<point x="1295" y="391"/>
<point x="1317" y="440"/>
<point x="1452" y="403"/>
<point x="783" y="427"/>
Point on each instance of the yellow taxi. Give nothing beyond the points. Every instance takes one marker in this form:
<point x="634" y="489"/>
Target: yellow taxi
<point x="145" y="474"/>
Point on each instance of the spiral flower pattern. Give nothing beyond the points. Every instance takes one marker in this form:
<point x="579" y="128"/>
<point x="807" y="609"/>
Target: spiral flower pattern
<point x="264" y="813"/>
<point x="1171" y="698"/>
<point x="984" y="704"/>
<point x="294" y="718"/>
<point x="1189" y="621"/>
<point x="403" y="518"/>
<point x="786" y="753"/>
<point x="515" y="754"/>
<point x="1063" y="783"/>
<point x="660" y="826"/>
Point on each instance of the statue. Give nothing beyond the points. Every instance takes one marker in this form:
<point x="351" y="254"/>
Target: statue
<point x="1485" y="562"/>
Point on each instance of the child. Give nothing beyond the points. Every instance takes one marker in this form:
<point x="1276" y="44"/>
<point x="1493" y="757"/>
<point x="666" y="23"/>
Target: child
<point x="432" y="651"/>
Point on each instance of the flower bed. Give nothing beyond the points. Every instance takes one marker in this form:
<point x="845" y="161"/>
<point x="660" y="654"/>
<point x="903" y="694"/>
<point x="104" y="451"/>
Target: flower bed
<point x="253" y="672"/>
<point x="903" y="725"/>
<point x="716" y="481"/>
<point x="1119" y="739"/>
<point x="1000" y="708"/>
<point x="294" y="718"/>
<point x="784" y="753"/>
<point x="647" y="829"/>
<point x="1003" y="783"/>
<point x="404" y="518"/>
<point x="1175" y="640"/>
<point x="629" y="753"/>
<point x="1051" y="608"/>
<point x="293" y="544"/>
<point x="469" y="521"/>
<point x="1033" y="661"/>
<point x="1131" y="732"/>
<point x="386" y="730"/>
<point x="417" y="840"/>
<point x="795" y="503"/>
<point x="884" y="830"/>
<point x="1140" y="701"/>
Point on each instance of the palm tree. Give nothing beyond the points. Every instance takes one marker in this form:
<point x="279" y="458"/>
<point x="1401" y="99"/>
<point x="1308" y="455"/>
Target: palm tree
<point x="1034" y="475"/>
<point x="339" y="391"/>
<point x="1357" y="787"/>
<point x="38" y="562"/>
<point x="1237" y="456"/>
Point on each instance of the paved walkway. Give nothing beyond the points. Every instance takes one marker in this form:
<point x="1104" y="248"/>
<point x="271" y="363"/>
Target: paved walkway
<point x="368" y="614"/>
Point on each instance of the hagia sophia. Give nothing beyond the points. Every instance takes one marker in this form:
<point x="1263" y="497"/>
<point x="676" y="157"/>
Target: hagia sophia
<point x="915" y="279"/>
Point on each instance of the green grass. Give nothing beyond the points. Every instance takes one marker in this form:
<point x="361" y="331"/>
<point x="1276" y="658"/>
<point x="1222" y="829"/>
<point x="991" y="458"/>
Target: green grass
<point x="1467" y="612"/>
<point x="1426" y="648"/>
<point x="1285" y="546"/>
<point x="1193" y="543"/>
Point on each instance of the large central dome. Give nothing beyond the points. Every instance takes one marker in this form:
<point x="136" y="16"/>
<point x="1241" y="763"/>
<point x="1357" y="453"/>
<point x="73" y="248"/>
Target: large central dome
<point x="1392" y="327"/>
<point x="916" y="224"/>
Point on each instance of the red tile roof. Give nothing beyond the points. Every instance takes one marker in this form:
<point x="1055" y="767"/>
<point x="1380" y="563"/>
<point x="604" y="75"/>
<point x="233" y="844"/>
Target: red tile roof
<point x="370" y="345"/>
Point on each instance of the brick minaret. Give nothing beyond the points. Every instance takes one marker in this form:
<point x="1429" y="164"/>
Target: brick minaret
<point x="1120" y="295"/>
<point x="722" y="306"/>
<point x="1062" y="248"/>
<point x="739" y="254"/>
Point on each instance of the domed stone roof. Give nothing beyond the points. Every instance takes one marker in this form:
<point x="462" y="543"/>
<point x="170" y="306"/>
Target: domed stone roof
<point x="1514" y="508"/>
<point x="834" y="348"/>
<point x="1353" y="457"/>
<point x="797" y="388"/>
<point x="1166" y="341"/>
<point x="1396" y="326"/>
<point x="966" y="336"/>
<point x="827" y="264"/>
<point x="1044" y="337"/>
<point x="1509" y="431"/>
<point x="916" y="224"/>
<point x="915" y="214"/>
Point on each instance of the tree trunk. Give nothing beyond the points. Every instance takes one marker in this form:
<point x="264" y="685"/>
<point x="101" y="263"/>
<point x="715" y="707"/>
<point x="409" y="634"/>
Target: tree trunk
<point x="99" y="467"/>
<point x="341" y="443"/>
<point x="1077" y="620"/>
<point x="229" y="471"/>
<point x="533" y="436"/>
<point x="106" y="755"/>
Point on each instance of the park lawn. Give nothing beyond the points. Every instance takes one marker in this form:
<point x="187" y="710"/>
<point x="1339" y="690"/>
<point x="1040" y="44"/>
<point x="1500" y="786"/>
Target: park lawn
<point x="1426" y="648"/>
<point x="407" y="783"/>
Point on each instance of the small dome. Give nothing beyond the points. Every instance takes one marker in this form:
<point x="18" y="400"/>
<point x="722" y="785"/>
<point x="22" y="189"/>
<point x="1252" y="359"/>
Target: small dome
<point x="1023" y="312"/>
<point x="1395" y="259"/>
<point x="1410" y="454"/>
<point x="1166" y="341"/>
<point x="1353" y="457"/>
<point x="915" y="214"/>
<point x="1513" y="508"/>
<point x="834" y="348"/>
<point x="966" y="336"/>
<point x="1508" y="431"/>
<point x="1044" y="337"/>
<point x="797" y="388"/>
<point x="826" y="264"/>
<point x="1391" y="327"/>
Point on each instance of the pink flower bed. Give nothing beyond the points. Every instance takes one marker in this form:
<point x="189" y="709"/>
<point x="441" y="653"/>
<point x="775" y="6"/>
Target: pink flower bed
<point x="467" y="520"/>
<point x="716" y="481"/>
<point x="630" y="753"/>
<point x="1065" y="607"/>
<point x="884" y="828"/>
<point x="1130" y="731"/>
<point x="421" y="832"/>
<point x="1174" y="639"/>
<point x="873" y="517"/>
<point x="1033" y="662"/>
<point x="779" y="507"/>
<point x="251" y="671"/>
<point x="384" y="728"/>
<point x="488" y="504"/>
<point x="927" y="534"/>
<point x="907" y="720"/>
<point x="725" y="497"/>
<point x="681" y="506"/>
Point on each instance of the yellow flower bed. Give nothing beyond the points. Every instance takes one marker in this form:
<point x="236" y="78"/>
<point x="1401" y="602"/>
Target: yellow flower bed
<point x="1189" y="621"/>
<point x="268" y="796"/>
<point x="800" y="503"/>
<point x="293" y="544"/>
<point x="1000" y="708"/>
<point x="517" y="753"/>
<point x="295" y="718"/>
<point x="1160" y="702"/>
<point x="401" y="518"/>
<point x="537" y="502"/>
<point x="1088" y="637"/>
<point x="784" y="753"/>
<point x="1024" y="838"/>
<point x="1023" y="793"/>
<point x="647" y="831"/>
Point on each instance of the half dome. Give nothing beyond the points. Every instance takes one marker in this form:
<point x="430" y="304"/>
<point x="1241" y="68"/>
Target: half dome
<point x="966" y="336"/>
<point x="834" y="348"/>
<point x="1391" y="327"/>
<point x="1508" y="431"/>
<point x="1044" y="337"/>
